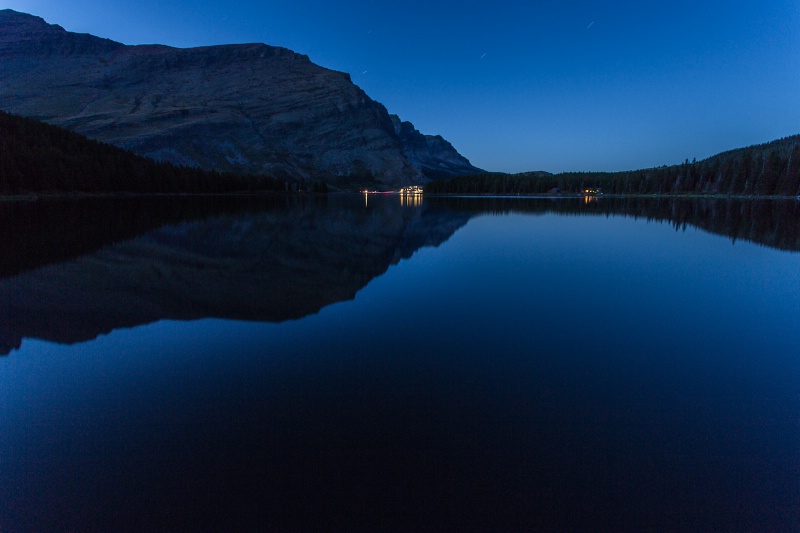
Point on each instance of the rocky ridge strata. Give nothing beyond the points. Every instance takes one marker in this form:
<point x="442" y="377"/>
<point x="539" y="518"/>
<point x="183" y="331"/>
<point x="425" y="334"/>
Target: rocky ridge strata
<point x="431" y="153"/>
<point x="245" y="108"/>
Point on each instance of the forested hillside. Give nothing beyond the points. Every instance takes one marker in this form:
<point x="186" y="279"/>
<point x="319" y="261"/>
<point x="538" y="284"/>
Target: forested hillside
<point x="762" y="170"/>
<point x="37" y="157"/>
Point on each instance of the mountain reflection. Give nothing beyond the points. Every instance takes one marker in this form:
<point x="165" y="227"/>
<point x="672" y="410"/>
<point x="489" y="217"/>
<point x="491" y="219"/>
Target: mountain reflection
<point x="268" y="260"/>
<point x="73" y="270"/>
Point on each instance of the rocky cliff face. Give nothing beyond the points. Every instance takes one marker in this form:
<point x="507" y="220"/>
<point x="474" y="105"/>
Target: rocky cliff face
<point x="246" y="108"/>
<point x="431" y="153"/>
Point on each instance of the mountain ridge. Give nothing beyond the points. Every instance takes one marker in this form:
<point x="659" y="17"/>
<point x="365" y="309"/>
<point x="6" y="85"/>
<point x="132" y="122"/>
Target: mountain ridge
<point x="766" y="169"/>
<point x="248" y="108"/>
<point x="36" y="157"/>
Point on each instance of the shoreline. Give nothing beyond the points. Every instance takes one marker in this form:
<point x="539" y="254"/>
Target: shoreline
<point x="688" y="196"/>
<point x="108" y="195"/>
<point x="244" y="194"/>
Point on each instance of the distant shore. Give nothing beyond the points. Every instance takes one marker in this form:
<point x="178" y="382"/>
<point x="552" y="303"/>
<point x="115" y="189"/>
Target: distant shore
<point x="80" y="195"/>
<point x="601" y="196"/>
<point x="246" y="194"/>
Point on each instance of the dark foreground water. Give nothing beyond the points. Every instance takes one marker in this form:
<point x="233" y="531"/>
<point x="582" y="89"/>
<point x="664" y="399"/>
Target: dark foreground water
<point x="371" y="364"/>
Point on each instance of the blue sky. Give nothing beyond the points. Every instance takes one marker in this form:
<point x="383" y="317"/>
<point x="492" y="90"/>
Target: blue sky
<point x="516" y="86"/>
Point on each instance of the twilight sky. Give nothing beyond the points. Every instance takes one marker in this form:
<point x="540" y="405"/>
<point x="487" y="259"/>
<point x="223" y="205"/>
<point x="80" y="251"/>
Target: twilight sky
<point x="516" y="86"/>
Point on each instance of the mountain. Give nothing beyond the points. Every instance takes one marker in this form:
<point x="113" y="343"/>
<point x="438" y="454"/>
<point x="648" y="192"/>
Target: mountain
<point x="41" y="158"/>
<point x="249" y="108"/>
<point x="431" y="153"/>
<point x="770" y="169"/>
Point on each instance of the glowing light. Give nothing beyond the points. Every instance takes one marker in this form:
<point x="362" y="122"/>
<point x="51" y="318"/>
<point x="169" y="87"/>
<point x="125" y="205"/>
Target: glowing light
<point x="410" y="196"/>
<point x="590" y="194"/>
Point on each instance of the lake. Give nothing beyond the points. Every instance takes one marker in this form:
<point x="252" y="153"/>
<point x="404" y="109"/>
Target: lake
<point x="388" y="363"/>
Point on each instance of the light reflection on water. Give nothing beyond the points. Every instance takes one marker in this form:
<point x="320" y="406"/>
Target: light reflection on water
<point x="531" y="372"/>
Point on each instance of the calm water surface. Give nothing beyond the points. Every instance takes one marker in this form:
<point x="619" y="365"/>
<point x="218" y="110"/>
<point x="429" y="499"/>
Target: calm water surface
<point x="366" y="365"/>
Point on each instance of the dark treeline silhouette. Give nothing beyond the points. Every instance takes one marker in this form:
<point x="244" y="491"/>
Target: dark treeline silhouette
<point x="38" y="233"/>
<point x="36" y="157"/>
<point x="771" y="169"/>
<point x="773" y="223"/>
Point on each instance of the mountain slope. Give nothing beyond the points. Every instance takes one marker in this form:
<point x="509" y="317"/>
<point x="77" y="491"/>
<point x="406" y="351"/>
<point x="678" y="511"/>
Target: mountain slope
<point x="431" y="153"/>
<point x="36" y="157"/>
<point x="770" y="169"/>
<point x="248" y="108"/>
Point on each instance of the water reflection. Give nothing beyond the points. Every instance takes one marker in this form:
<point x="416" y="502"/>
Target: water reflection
<point x="773" y="223"/>
<point x="121" y="263"/>
<point x="410" y="198"/>
<point x="33" y="234"/>
<point x="574" y="372"/>
<point x="264" y="261"/>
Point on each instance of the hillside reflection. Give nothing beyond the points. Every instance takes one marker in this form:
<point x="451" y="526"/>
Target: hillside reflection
<point x="271" y="259"/>
<point x="72" y="270"/>
<point x="773" y="223"/>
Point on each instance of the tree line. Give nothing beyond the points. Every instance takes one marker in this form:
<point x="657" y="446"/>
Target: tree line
<point x="771" y="169"/>
<point x="35" y="234"/>
<point x="38" y="157"/>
